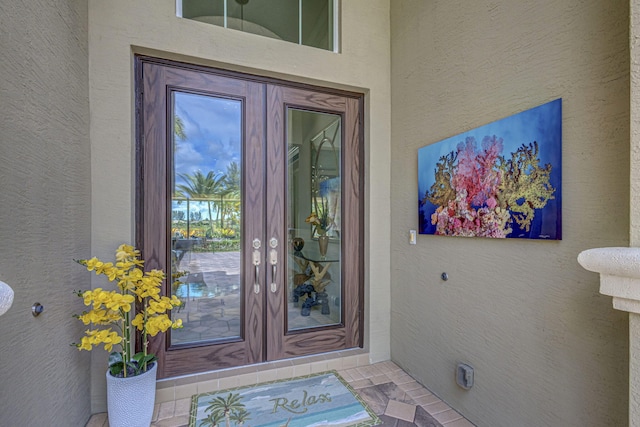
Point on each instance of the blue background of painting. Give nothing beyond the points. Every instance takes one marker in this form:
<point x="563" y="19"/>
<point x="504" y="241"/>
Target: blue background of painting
<point x="542" y="124"/>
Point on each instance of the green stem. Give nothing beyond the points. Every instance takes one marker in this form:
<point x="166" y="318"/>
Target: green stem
<point x="145" y="341"/>
<point x="126" y="332"/>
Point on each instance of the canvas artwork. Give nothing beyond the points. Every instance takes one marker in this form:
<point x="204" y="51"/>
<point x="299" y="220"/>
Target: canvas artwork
<point x="500" y="180"/>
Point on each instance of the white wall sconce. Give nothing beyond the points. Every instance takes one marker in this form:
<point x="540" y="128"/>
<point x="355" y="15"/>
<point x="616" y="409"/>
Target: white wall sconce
<point x="6" y="297"/>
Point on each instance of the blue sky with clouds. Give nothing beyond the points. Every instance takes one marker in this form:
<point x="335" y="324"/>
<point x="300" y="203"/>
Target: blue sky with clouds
<point x="214" y="133"/>
<point x="213" y="128"/>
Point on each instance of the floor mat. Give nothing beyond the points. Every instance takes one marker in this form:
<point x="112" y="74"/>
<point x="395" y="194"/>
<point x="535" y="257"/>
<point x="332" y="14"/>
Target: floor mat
<point x="323" y="399"/>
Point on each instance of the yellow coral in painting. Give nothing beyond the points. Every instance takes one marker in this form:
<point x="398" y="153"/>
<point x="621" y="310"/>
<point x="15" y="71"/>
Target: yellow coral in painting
<point x="526" y="185"/>
<point x="442" y="190"/>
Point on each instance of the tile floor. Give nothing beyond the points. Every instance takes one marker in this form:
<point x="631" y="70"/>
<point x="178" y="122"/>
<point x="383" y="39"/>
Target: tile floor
<point x="391" y="393"/>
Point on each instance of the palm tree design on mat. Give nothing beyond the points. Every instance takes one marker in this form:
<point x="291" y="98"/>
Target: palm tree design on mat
<point x="240" y="416"/>
<point x="223" y="408"/>
<point x="212" y="420"/>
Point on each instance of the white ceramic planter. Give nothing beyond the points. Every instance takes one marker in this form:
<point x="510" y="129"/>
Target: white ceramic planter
<point x="130" y="400"/>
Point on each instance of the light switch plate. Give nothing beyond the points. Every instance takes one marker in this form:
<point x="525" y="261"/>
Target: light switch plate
<point x="413" y="239"/>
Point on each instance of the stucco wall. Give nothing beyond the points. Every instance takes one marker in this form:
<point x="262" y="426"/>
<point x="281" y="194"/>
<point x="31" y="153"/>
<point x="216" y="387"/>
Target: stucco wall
<point x="119" y="28"/>
<point x="546" y="347"/>
<point x="634" y="44"/>
<point x="45" y="213"/>
<point x="634" y="319"/>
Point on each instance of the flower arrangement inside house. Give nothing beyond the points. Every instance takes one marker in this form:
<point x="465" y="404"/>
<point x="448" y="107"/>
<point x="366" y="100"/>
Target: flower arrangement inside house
<point x="113" y="316"/>
<point x="320" y="218"/>
<point x="320" y="224"/>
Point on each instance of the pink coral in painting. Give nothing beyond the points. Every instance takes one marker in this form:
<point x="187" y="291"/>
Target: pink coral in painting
<point x="476" y="181"/>
<point x="458" y="218"/>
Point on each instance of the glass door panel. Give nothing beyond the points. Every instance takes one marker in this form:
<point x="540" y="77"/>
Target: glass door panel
<point x="206" y="211"/>
<point x="314" y="289"/>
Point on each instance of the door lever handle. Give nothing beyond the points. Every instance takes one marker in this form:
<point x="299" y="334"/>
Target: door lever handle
<point x="274" y="286"/>
<point x="256" y="283"/>
<point x="273" y="260"/>
<point x="256" y="263"/>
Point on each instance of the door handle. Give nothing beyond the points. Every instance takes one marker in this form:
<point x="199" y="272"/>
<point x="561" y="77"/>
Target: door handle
<point x="256" y="263"/>
<point x="273" y="260"/>
<point x="256" y="283"/>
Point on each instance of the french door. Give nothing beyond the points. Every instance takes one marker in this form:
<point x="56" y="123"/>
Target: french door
<point x="249" y="195"/>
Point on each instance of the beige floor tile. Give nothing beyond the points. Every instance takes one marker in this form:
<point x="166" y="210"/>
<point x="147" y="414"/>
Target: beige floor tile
<point x="334" y="364"/>
<point x="208" y="386"/>
<point x="247" y="379"/>
<point x="187" y="390"/>
<point x="285" y="372"/>
<point x="401" y="378"/>
<point x="319" y="366"/>
<point x="355" y="374"/>
<point x="418" y="392"/>
<point x="392" y="366"/>
<point x="229" y="382"/>
<point x="401" y="410"/>
<point x="358" y="384"/>
<point x="268" y="376"/>
<point x="380" y="379"/>
<point x="166" y="410"/>
<point x="183" y="406"/>
<point x="370" y="371"/>
<point x="427" y="399"/>
<point x="350" y="362"/>
<point x="165" y="394"/>
<point x="410" y="385"/>
<point x="436" y="408"/>
<point x="345" y="374"/>
<point x="447" y="416"/>
<point x="301" y="370"/>
<point x="363" y="360"/>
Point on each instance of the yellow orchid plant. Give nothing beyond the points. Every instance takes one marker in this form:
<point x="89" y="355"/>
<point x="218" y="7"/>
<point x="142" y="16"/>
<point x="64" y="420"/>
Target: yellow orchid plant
<point x="111" y="311"/>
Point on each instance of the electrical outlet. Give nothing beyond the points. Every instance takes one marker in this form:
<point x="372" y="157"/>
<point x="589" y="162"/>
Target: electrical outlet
<point x="464" y="376"/>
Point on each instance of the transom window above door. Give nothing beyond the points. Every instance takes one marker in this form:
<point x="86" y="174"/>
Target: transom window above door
<point x="306" y="22"/>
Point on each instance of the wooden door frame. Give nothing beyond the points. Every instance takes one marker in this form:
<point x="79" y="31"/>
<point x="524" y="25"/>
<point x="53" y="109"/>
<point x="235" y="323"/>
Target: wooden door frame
<point x="152" y="208"/>
<point x="348" y="333"/>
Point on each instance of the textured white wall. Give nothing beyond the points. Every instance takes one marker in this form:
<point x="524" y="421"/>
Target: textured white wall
<point x="45" y="212"/>
<point x="547" y="348"/>
<point x="119" y="27"/>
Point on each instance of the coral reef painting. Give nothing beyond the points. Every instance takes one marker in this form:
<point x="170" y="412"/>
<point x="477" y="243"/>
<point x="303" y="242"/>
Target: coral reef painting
<point x="500" y="180"/>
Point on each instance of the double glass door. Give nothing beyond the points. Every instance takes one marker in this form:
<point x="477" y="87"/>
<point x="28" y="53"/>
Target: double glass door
<point x="249" y="194"/>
